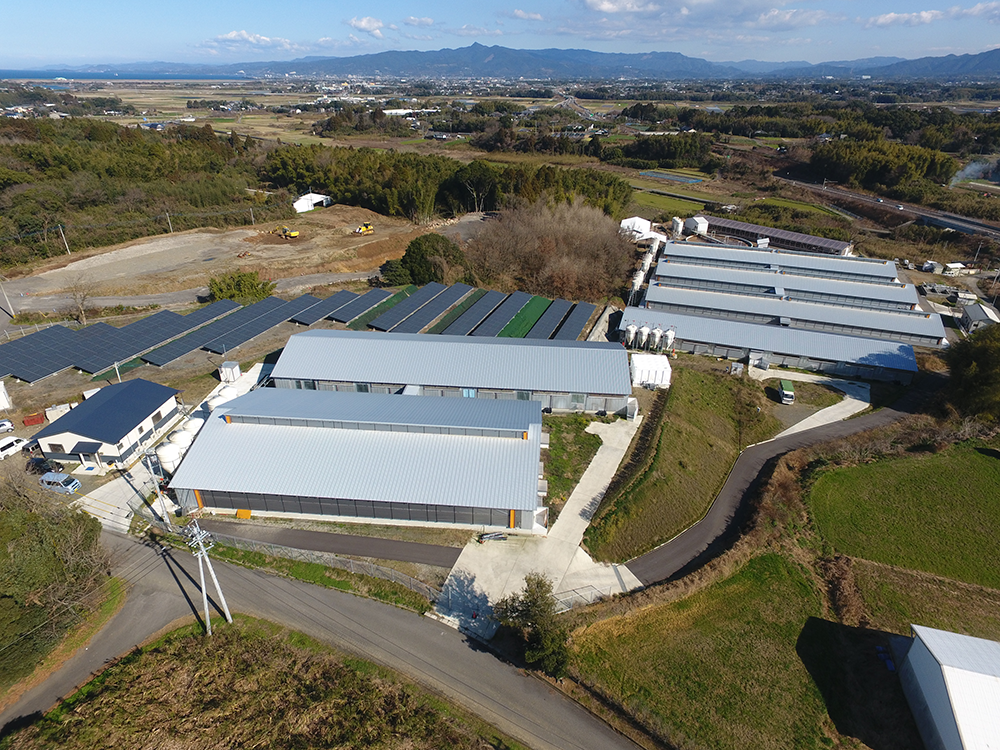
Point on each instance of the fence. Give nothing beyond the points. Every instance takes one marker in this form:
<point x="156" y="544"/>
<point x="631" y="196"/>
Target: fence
<point x="566" y="600"/>
<point x="327" y="559"/>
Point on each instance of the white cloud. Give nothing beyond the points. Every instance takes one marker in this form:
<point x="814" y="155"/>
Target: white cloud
<point x="470" y="30"/>
<point x="368" y="25"/>
<point x="526" y="16"/>
<point x="413" y="21"/>
<point x="621" y="6"/>
<point x="419" y="37"/>
<point x="906" y="19"/>
<point x="989" y="11"/>
<point x="243" y="40"/>
<point x="790" y="19"/>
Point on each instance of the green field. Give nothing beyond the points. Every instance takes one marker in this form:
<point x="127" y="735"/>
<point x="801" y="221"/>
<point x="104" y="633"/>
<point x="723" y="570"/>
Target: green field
<point x="678" y="189"/>
<point x="456" y="312"/>
<point x="800" y="206"/>
<point x="667" y="204"/>
<point x="571" y="449"/>
<point x="697" y="447"/>
<point x="528" y="315"/>
<point x="361" y="323"/>
<point x="718" y="669"/>
<point x="932" y="512"/>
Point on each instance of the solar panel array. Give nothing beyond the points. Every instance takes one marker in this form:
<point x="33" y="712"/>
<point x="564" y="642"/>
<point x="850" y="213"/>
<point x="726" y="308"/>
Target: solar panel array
<point x="98" y="347"/>
<point x="360" y="306"/>
<point x="475" y="314"/>
<point x="433" y="309"/>
<point x="404" y="308"/>
<point x="239" y="336"/>
<point x="324" y="308"/>
<point x="550" y="320"/>
<point x="502" y="315"/>
<point x="575" y="322"/>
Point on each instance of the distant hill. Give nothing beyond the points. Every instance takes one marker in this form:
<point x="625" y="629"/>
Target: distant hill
<point x="985" y="64"/>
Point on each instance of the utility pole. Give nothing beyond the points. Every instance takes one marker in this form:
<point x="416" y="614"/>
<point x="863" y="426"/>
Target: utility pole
<point x="10" y="307"/>
<point x="156" y="483"/>
<point x="170" y="225"/>
<point x="197" y="538"/>
<point x="65" y="243"/>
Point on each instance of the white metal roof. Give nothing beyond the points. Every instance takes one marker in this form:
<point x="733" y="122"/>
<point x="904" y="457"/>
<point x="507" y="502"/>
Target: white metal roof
<point x="779" y="235"/>
<point x="382" y="466"/>
<point x="456" y="362"/>
<point x="818" y="345"/>
<point x="971" y="670"/>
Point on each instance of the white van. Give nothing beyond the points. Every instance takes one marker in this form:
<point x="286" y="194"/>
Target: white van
<point x="11" y="445"/>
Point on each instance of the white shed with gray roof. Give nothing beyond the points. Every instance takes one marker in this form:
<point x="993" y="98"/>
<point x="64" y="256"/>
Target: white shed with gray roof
<point x="369" y="456"/>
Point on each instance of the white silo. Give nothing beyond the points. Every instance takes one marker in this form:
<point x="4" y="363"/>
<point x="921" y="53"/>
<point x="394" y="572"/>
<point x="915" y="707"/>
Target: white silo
<point x="228" y="393"/>
<point x="643" y="336"/>
<point x="668" y="338"/>
<point x="169" y="456"/>
<point x="657" y="335"/>
<point x="193" y="425"/>
<point x="214" y="402"/>
<point x="630" y="331"/>
<point x="181" y="438"/>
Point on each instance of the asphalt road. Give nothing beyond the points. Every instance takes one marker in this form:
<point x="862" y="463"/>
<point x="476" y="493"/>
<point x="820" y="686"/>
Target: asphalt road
<point x="714" y="534"/>
<point x="340" y="544"/>
<point x="163" y="589"/>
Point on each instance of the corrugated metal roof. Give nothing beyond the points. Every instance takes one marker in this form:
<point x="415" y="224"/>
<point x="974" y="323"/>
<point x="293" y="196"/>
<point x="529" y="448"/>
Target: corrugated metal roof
<point x="479" y="472"/>
<point x="113" y="412"/>
<point x="915" y="323"/>
<point x="791" y="262"/>
<point x="456" y="362"/>
<point x="901" y="294"/>
<point x="383" y="409"/>
<point x="818" y="345"/>
<point x="961" y="651"/>
<point x="779" y="235"/>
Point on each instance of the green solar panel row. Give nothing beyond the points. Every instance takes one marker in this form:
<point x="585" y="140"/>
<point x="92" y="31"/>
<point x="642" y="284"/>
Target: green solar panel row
<point x="575" y="322"/>
<point x="324" y="308"/>
<point x="550" y="320"/>
<point x="475" y="314"/>
<point x="433" y="309"/>
<point x="360" y="306"/>
<point x="502" y="315"/>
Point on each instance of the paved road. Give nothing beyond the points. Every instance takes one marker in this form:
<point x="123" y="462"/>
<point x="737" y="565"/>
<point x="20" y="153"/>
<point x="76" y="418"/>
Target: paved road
<point x="714" y="534"/>
<point x="339" y="544"/>
<point x="163" y="589"/>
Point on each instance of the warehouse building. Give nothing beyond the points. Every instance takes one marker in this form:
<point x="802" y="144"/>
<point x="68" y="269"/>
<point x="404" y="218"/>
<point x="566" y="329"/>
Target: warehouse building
<point x="561" y="375"/>
<point x="369" y="456"/>
<point x="753" y="234"/>
<point x="952" y="683"/>
<point x="765" y="346"/>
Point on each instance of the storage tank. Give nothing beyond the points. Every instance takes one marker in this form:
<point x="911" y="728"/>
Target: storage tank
<point x="637" y="280"/>
<point x="647" y="261"/>
<point x="181" y="438"/>
<point x="228" y="393"/>
<point x="169" y="456"/>
<point x="668" y="339"/>
<point x="630" y="331"/>
<point x="193" y="425"/>
<point x="676" y="227"/>
<point x="214" y="402"/>
<point x="643" y="336"/>
<point x="657" y="336"/>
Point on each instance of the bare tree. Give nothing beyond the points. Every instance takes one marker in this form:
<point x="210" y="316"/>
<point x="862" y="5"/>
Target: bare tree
<point x="81" y="291"/>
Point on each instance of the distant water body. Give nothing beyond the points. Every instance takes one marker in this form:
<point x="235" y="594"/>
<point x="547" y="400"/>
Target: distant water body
<point x="73" y="75"/>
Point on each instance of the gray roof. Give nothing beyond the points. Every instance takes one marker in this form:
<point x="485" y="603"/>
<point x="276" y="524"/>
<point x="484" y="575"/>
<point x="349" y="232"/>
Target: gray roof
<point x="897" y="294"/>
<point x="777" y="235"/>
<point x="977" y="312"/>
<point x="961" y="651"/>
<point x="376" y="409"/>
<point x="807" y="264"/>
<point x="913" y="323"/>
<point x="382" y="466"/>
<point x="818" y="345"/>
<point x="456" y="362"/>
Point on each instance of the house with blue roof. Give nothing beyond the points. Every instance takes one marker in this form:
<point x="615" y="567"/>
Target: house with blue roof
<point x="112" y="427"/>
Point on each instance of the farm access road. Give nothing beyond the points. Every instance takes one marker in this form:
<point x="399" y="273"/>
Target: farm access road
<point x="163" y="592"/>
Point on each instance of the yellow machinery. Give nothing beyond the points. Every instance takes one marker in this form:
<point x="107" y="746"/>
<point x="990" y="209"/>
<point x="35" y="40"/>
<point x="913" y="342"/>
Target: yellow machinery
<point x="285" y="233"/>
<point x="365" y="228"/>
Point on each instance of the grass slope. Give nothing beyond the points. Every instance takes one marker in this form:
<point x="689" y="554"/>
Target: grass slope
<point x="571" y="449"/>
<point x="251" y="684"/>
<point x="525" y="319"/>
<point x="718" y="669"/>
<point x="933" y="512"/>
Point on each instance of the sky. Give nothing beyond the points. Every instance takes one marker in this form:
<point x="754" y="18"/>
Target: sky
<point x="71" y="32"/>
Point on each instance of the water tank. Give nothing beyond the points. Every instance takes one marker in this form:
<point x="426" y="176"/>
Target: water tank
<point x="637" y="280"/>
<point x="192" y="425"/>
<point x="215" y="401"/>
<point x="676" y="227"/>
<point x="655" y="248"/>
<point x="630" y="331"/>
<point x="668" y="339"/>
<point x="181" y="438"/>
<point x="657" y="335"/>
<point x="647" y="261"/>
<point x="169" y="456"/>
<point x="228" y="393"/>
<point x="643" y="336"/>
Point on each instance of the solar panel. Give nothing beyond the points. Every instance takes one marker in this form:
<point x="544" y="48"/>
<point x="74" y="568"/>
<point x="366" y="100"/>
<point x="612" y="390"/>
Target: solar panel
<point x="39" y="354"/>
<point x="360" y="306"/>
<point x="239" y="336"/>
<point x="405" y="308"/>
<point x="502" y="315"/>
<point x="475" y="314"/>
<point x="212" y="331"/>
<point x="575" y="322"/>
<point x="433" y="309"/>
<point x="324" y="308"/>
<point x="550" y="320"/>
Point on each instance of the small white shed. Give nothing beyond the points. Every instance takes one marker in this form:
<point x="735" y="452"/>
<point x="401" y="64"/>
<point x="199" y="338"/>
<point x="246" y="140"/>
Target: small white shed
<point x="650" y="370"/>
<point x="309" y="201"/>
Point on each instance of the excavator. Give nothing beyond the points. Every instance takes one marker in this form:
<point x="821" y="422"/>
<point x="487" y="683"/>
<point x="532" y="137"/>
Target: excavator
<point x="285" y="233"/>
<point x="365" y="228"/>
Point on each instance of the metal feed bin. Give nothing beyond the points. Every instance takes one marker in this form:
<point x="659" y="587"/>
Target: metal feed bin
<point x="229" y="372"/>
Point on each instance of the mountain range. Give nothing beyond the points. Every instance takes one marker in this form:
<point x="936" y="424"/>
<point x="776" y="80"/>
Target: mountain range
<point x="479" y="61"/>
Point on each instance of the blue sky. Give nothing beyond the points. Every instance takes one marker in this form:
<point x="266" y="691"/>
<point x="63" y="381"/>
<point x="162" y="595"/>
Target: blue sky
<point x="113" y="31"/>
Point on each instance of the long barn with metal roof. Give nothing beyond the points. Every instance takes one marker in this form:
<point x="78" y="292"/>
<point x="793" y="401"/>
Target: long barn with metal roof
<point x="782" y="238"/>
<point x="369" y="456"/>
<point x="562" y="375"/>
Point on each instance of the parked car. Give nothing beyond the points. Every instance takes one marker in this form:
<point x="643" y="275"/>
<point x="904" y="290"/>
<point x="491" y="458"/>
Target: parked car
<point x="31" y="449"/>
<point x="42" y="466"/>
<point x="6" y="425"/>
<point x="61" y="483"/>
<point x="10" y="445"/>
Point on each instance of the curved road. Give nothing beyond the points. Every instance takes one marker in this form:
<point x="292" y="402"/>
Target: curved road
<point x="163" y="590"/>
<point x="713" y="534"/>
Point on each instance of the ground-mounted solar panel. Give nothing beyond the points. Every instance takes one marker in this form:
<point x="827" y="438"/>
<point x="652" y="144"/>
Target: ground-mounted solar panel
<point x="433" y="309"/>
<point x="405" y="308"/>
<point x="575" y="322"/>
<point x="324" y="308"/>
<point x="550" y="320"/>
<point x="475" y="314"/>
<point x="360" y="306"/>
<point x="211" y="312"/>
<point x="239" y="336"/>
<point x="40" y="354"/>
<point x="200" y="337"/>
<point x="504" y="313"/>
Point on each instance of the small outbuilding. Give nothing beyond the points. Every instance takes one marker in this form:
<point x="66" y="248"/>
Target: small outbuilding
<point x="650" y="370"/>
<point x="978" y="316"/>
<point x="113" y="426"/>
<point x="309" y="201"/>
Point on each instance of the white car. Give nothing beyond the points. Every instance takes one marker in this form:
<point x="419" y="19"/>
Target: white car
<point x="6" y="425"/>
<point x="11" y="445"/>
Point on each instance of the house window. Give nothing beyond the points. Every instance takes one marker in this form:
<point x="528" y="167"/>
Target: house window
<point x="469" y="392"/>
<point x="523" y="396"/>
<point x="56" y="448"/>
<point x="361" y="387"/>
<point x="577" y="400"/>
<point x="157" y="417"/>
